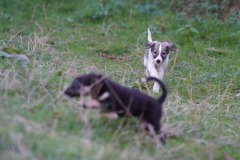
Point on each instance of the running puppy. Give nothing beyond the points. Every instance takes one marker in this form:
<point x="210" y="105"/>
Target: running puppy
<point x="156" y="58"/>
<point x="118" y="101"/>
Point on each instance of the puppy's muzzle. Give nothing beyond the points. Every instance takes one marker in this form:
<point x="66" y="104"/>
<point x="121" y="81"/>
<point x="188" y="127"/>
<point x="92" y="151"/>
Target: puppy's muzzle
<point x="158" y="61"/>
<point x="76" y="92"/>
<point x="71" y="92"/>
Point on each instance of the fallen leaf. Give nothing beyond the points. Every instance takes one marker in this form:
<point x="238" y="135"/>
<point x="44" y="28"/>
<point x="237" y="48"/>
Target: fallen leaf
<point x="11" y="50"/>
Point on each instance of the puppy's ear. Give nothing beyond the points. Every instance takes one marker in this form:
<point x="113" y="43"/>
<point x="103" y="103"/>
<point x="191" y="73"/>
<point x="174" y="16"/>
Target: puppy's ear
<point x="149" y="36"/>
<point x="150" y="45"/>
<point x="171" y="47"/>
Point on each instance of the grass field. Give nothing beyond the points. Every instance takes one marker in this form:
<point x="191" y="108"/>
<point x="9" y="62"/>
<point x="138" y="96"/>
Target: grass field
<point x="65" y="39"/>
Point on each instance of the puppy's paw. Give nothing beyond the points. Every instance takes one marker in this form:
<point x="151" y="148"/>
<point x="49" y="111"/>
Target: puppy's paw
<point x="91" y="104"/>
<point x="156" y="88"/>
<point x="110" y="115"/>
<point x="162" y="139"/>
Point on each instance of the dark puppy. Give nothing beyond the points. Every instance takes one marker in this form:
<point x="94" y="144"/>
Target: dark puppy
<point x="116" y="100"/>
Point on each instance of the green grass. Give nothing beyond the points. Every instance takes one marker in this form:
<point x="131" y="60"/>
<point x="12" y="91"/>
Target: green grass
<point x="63" y="39"/>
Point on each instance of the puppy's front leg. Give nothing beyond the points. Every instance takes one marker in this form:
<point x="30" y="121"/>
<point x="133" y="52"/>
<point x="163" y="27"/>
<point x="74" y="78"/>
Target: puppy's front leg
<point x="92" y="103"/>
<point x="147" y="73"/>
<point x="156" y="87"/>
<point x="153" y="72"/>
<point x="110" y="115"/>
<point x="161" y="73"/>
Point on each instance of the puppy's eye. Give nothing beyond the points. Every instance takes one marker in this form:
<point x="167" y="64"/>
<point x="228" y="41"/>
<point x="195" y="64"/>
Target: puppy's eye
<point x="155" y="52"/>
<point x="163" y="53"/>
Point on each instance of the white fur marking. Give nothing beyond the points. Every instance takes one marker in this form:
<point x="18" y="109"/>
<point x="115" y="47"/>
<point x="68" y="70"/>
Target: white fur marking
<point x="159" y="57"/>
<point x="104" y="96"/>
<point x="160" y="49"/>
<point x="150" y="66"/>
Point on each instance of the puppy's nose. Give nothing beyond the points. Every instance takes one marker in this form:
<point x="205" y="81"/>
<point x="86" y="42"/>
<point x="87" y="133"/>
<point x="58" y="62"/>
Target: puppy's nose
<point x="158" y="61"/>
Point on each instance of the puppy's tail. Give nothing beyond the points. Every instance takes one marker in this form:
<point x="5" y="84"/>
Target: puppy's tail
<point x="149" y="36"/>
<point x="162" y="98"/>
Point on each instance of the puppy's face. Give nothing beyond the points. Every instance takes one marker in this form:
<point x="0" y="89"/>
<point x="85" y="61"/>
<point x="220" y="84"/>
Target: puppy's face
<point x="81" y="85"/>
<point x="160" y="50"/>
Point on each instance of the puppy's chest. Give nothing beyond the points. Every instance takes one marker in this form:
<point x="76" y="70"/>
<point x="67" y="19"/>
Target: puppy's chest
<point x="161" y="65"/>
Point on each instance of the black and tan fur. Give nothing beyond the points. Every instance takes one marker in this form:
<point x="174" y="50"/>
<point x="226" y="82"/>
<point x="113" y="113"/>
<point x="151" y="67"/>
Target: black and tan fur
<point x="119" y="100"/>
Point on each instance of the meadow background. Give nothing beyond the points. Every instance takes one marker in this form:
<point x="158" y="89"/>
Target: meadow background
<point x="63" y="39"/>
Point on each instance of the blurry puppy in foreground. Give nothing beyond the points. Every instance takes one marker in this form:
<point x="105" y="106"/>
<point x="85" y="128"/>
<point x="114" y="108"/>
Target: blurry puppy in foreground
<point x="115" y="100"/>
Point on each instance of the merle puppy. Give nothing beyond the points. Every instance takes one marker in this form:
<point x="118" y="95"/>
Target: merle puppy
<point x="156" y="58"/>
<point x="118" y="101"/>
